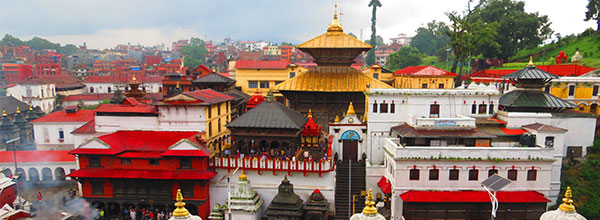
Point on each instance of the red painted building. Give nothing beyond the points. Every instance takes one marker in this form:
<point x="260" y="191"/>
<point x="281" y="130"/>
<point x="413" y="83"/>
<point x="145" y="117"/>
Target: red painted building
<point x="144" y="169"/>
<point x="47" y="69"/>
<point x="487" y="76"/>
<point x="14" y="73"/>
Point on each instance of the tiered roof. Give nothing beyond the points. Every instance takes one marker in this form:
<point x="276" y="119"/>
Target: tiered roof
<point x="332" y="79"/>
<point x="270" y="114"/>
<point x="311" y="128"/>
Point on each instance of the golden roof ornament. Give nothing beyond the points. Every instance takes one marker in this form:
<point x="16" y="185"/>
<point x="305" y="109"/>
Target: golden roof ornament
<point x="177" y="85"/>
<point x="350" y="110"/>
<point x="180" y="211"/>
<point x="18" y="110"/>
<point x="243" y="176"/>
<point x="337" y="119"/>
<point x="309" y="113"/>
<point x="133" y="78"/>
<point x="4" y="112"/>
<point x="530" y="64"/>
<point x="567" y="205"/>
<point x="335" y="26"/>
<point x="369" y="208"/>
<point x="30" y="107"/>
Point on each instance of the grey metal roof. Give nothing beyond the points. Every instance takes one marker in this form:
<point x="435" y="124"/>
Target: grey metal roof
<point x="214" y="78"/>
<point x="10" y="104"/>
<point x="530" y="72"/>
<point x="533" y="98"/>
<point x="270" y="114"/>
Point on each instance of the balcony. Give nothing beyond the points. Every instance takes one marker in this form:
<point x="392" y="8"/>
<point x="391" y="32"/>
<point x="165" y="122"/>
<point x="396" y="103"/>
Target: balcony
<point x="269" y="165"/>
<point x="401" y="152"/>
<point x="460" y="122"/>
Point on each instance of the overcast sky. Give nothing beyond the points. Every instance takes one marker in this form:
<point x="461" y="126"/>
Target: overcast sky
<point x="106" y="23"/>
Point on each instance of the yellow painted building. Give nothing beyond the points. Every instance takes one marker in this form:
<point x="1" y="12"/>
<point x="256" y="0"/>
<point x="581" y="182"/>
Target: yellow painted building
<point x="423" y="77"/>
<point x="259" y="76"/>
<point x="217" y="115"/>
<point x="377" y="72"/>
<point x="581" y="91"/>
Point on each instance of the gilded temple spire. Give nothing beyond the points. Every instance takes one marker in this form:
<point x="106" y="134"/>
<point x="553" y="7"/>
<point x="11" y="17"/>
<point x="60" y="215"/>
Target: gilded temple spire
<point x="567" y="204"/>
<point x="180" y="211"/>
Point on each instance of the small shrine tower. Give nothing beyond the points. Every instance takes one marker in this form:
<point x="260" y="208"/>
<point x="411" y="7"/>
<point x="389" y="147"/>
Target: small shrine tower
<point x="566" y="210"/>
<point x="286" y="205"/>
<point x="369" y="212"/>
<point x="180" y="212"/>
<point x="245" y="202"/>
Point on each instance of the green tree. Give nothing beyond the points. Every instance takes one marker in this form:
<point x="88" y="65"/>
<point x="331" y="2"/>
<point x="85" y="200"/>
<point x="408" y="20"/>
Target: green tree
<point x="593" y="13"/>
<point x="432" y="38"/>
<point x="194" y="52"/>
<point x="378" y="41"/>
<point x="68" y="49"/>
<point x="371" y="54"/>
<point x="466" y="36"/>
<point x="516" y="29"/>
<point x="37" y="43"/>
<point x="286" y="44"/>
<point x="353" y="35"/>
<point x="9" y="40"/>
<point x="406" y="56"/>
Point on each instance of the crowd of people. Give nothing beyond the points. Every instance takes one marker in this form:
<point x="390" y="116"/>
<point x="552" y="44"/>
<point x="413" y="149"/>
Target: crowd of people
<point x="283" y="153"/>
<point x="145" y="214"/>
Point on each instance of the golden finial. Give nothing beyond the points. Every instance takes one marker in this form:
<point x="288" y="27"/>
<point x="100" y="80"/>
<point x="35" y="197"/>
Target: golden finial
<point x="337" y="119"/>
<point x="4" y="113"/>
<point x="309" y="113"/>
<point x="369" y="208"/>
<point x="530" y="64"/>
<point x="30" y="107"/>
<point x="177" y="86"/>
<point x="18" y="110"/>
<point x="180" y="211"/>
<point x="335" y="24"/>
<point x="567" y="205"/>
<point x="350" y="110"/>
<point x="243" y="176"/>
<point x="365" y="118"/>
<point x="133" y="78"/>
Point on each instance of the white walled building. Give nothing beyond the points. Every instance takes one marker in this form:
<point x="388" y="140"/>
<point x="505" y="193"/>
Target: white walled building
<point x="53" y="131"/>
<point x="35" y="91"/>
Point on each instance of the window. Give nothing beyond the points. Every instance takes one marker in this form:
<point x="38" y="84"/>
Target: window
<point x="185" y="163"/>
<point x="414" y="174"/>
<point x="424" y="86"/>
<point x="219" y="126"/>
<point x="109" y="89"/>
<point x="376" y="75"/>
<point x="264" y="84"/>
<point x="392" y="108"/>
<point x="512" y="174"/>
<point x="549" y="142"/>
<point x="453" y="174"/>
<point x="473" y="174"/>
<point x="253" y="84"/>
<point x="482" y="108"/>
<point x="46" y="135"/>
<point x="218" y="109"/>
<point x="97" y="187"/>
<point x="383" y="108"/>
<point x="187" y="189"/>
<point x="292" y="74"/>
<point x="531" y="175"/>
<point x="210" y="129"/>
<point x="434" y="174"/>
<point x="61" y="134"/>
<point x="125" y="161"/>
<point x="474" y="109"/>
<point x="153" y="162"/>
<point x="492" y="172"/>
<point x="595" y="91"/>
<point x="209" y="110"/>
<point x="571" y="90"/>
<point x="441" y="85"/>
<point x="91" y="89"/>
<point x="94" y="161"/>
<point x="434" y="111"/>
<point x="491" y="109"/>
<point x="374" y="107"/>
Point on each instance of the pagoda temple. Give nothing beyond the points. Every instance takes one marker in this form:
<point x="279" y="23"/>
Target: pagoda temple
<point x="529" y="96"/>
<point x="328" y="88"/>
<point x="286" y="205"/>
<point x="135" y="91"/>
<point x="245" y="203"/>
<point x="316" y="206"/>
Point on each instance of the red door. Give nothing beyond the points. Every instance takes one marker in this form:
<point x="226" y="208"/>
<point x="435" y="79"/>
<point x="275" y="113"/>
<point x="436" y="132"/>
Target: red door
<point x="350" y="150"/>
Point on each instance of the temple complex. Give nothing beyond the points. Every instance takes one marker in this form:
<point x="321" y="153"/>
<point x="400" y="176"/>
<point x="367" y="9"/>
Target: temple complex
<point x="245" y="203"/>
<point x="135" y="91"/>
<point x="328" y="88"/>
<point x="286" y="205"/>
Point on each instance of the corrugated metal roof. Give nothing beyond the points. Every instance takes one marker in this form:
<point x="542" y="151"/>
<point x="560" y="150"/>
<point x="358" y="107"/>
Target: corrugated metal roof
<point x="332" y="79"/>
<point x="423" y="71"/>
<point x="62" y="116"/>
<point x="533" y="98"/>
<point x="10" y="104"/>
<point x="530" y="72"/>
<point x="338" y="40"/>
<point x="214" y="78"/>
<point x="543" y="127"/>
<point x="270" y="114"/>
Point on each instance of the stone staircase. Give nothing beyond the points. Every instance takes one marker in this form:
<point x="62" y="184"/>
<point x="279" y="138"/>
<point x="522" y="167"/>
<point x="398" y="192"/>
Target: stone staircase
<point x="349" y="180"/>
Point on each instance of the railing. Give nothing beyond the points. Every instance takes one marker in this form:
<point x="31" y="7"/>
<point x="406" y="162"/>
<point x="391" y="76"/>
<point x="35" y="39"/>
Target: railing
<point x="276" y="165"/>
<point x="442" y="123"/>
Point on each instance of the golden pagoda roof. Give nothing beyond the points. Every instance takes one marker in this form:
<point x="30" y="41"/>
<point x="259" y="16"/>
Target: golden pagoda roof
<point x="334" y="38"/>
<point x="332" y="79"/>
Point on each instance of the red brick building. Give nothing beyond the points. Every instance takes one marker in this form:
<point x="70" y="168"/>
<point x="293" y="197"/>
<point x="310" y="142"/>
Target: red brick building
<point x="47" y="69"/>
<point x="144" y="169"/>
